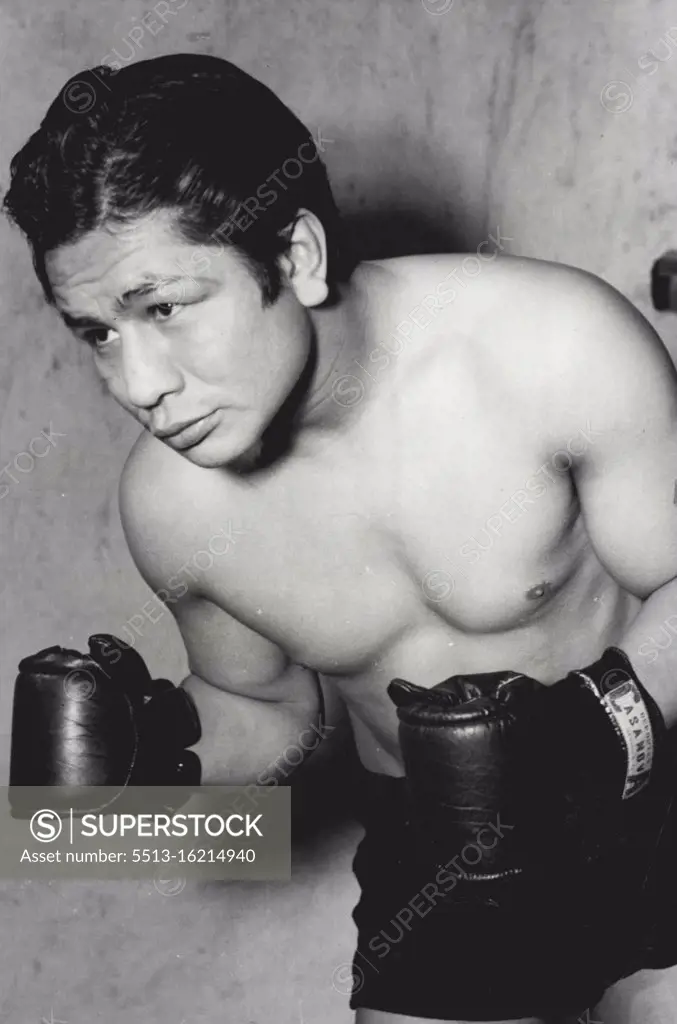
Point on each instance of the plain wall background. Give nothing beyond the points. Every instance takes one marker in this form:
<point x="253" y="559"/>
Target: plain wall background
<point x="545" y="119"/>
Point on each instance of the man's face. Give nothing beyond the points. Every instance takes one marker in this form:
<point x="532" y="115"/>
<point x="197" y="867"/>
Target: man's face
<point x="180" y="334"/>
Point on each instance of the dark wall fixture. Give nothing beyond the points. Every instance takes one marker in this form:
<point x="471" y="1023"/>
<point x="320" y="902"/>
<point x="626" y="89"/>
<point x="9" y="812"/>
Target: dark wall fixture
<point x="664" y="282"/>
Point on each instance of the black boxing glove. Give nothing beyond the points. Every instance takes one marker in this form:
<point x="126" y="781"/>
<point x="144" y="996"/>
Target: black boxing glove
<point x="98" y="719"/>
<point x="500" y="742"/>
<point x="599" y="730"/>
<point x="577" y="779"/>
<point x="463" y="766"/>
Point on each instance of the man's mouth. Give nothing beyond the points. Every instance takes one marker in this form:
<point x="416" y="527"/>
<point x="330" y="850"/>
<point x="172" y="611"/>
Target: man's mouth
<point x="189" y="434"/>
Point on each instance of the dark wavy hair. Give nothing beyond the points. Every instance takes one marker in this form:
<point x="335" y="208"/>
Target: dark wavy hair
<point x="188" y="133"/>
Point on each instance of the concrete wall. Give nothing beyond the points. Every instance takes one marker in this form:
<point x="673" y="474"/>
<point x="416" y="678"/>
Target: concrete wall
<point x="448" y="119"/>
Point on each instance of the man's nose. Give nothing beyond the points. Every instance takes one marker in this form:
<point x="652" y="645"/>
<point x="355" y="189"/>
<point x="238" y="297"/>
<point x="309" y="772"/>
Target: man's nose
<point x="147" y="370"/>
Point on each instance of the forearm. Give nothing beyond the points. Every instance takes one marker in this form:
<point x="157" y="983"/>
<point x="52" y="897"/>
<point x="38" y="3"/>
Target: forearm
<point x="246" y="741"/>
<point x="652" y="653"/>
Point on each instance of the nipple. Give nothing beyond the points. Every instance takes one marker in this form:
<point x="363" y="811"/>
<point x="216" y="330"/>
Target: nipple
<point x="539" y="591"/>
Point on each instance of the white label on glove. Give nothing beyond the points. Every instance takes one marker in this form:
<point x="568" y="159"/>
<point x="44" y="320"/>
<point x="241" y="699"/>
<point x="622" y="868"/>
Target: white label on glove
<point x="628" y="711"/>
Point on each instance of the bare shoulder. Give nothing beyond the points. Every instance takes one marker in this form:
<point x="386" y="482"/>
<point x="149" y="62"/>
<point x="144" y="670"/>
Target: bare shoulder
<point x="542" y="337"/>
<point x="147" y="512"/>
<point x="171" y="510"/>
<point x="506" y="300"/>
<point x="166" y="508"/>
<point x="587" y="350"/>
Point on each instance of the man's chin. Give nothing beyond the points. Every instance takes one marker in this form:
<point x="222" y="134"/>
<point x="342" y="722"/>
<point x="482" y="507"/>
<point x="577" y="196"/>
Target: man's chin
<point x="248" y="444"/>
<point x="216" y="456"/>
<point x="248" y="460"/>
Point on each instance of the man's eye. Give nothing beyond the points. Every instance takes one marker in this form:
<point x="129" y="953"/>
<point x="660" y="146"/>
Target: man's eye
<point x="97" y="337"/>
<point x="163" y="310"/>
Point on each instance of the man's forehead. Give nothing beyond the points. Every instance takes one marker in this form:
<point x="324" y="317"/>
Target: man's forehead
<point x="143" y="247"/>
<point x="116" y="264"/>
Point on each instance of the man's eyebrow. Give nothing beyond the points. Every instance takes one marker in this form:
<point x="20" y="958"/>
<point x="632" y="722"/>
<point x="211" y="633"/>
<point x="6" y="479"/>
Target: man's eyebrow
<point x="78" y="321"/>
<point x="150" y="284"/>
<point x="146" y="287"/>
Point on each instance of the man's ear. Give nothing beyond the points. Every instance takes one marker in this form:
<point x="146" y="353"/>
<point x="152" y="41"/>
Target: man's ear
<point x="305" y="262"/>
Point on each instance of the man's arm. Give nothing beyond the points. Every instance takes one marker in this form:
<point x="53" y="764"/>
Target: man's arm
<point x="616" y="375"/>
<point x="259" y="712"/>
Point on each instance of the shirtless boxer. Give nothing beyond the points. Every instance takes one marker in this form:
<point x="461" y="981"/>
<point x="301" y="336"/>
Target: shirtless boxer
<point x="439" y="467"/>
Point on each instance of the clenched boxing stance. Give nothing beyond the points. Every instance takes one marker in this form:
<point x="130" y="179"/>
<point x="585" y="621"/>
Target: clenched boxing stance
<point x="455" y="500"/>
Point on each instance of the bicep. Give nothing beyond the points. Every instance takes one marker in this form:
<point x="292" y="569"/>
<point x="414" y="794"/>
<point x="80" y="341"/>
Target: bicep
<point x="226" y="653"/>
<point x="624" y="386"/>
<point x="627" y="493"/>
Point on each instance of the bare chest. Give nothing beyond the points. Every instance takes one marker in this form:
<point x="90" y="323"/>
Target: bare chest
<point x="339" y="559"/>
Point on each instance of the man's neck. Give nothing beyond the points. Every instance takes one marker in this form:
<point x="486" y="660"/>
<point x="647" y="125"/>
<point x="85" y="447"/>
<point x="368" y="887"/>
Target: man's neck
<point x="341" y="333"/>
<point x="317" y="404"/>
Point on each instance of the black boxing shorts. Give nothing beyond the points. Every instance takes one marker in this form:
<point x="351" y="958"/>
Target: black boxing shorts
<point x="547" y="942"/>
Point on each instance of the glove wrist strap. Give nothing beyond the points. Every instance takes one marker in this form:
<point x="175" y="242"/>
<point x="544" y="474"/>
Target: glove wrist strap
<point x="622" y="746"/>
